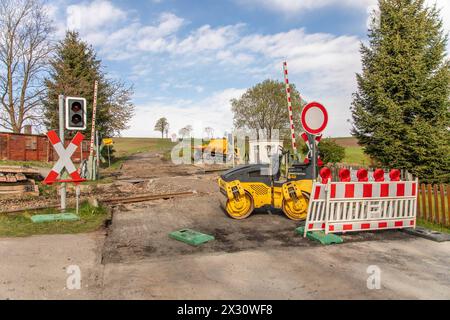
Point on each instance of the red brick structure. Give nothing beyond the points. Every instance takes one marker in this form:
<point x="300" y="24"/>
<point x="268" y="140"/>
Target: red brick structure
<point x="32" y="147"/>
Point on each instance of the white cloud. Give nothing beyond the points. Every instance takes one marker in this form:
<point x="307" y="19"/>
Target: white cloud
<point x="135" y="39"/>
<point x="53" y="12"/>
<point x="207" y="38"/>
<point x="296" y="6"/>
<point x="322" y="66"/>
<point x="213" y="111"/>
<point x="91" y="16"/>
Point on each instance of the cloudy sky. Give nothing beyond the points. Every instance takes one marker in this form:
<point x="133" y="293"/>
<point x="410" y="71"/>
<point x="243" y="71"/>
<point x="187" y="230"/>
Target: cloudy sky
<point x="188" y="58"/>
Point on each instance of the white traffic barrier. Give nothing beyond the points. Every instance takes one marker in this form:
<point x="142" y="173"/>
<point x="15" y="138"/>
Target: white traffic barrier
<point x="316" y="216"/>
<point x="362" y="206"/>
<point x="358" y="206"/>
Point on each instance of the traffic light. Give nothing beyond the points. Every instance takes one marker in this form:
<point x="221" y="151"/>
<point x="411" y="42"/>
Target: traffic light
<point x="76" y="113"/>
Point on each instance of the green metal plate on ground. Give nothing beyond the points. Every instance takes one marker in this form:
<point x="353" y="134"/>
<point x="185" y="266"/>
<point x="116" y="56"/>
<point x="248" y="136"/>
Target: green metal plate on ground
<point x="320" y="236"/>
<point x="39" y="218"/>
<point x="191" y="237"/>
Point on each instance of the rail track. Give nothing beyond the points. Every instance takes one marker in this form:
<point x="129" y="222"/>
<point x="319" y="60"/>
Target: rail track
<point x="110" y="201"/>
<point x="147" y="197"/>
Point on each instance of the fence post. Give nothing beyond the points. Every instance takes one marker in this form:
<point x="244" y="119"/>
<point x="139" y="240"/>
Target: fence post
<point x="444" y="218"/>
<point x="436" y="204"/>
<point x="430" y="202"/>
<point x="448" y="203"/>
<point x="424" y="202"/>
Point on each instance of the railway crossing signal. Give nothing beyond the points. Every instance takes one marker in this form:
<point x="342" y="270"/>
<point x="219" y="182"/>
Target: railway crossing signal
<point x="64" y="160"/>
<point x="76" y="113"/>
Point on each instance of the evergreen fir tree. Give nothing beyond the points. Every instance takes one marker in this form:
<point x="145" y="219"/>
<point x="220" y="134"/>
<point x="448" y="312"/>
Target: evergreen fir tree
<point x="401" y="109"/>
<point x="74" y="70"/>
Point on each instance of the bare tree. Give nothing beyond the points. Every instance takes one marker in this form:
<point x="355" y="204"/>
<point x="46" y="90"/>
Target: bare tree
<point x="166" y="131"/>
<point x="186" y="131"/>
<point x="24" y="50"/>
<point x="119" y="105"/>
<point x="189" y="129"/>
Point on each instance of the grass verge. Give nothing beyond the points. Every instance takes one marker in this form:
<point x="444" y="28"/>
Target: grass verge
<point x="433" y="226"/>
<point x="38" y="164"/>
<point x="91" y="219"/>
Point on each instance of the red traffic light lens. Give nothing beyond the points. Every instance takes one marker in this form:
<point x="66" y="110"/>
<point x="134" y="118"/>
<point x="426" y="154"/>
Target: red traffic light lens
<point x="76" y="106"/>
<point x="76" y="119"/>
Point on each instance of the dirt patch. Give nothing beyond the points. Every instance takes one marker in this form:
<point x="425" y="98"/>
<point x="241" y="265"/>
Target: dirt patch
<point x="142" y="231"/>
<point x="150" y="165"/>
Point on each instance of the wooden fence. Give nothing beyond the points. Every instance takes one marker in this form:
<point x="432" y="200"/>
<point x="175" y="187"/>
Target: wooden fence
<point x="433" y="203"/>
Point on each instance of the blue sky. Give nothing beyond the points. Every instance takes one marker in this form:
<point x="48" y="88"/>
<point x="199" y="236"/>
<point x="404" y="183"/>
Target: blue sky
<point x="187" y="59"/>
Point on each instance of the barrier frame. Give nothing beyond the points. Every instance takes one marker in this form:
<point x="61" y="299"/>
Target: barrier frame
<point x="362" y="213"/>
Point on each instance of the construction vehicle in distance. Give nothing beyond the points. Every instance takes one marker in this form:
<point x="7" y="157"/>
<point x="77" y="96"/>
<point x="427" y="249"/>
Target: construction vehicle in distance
<point x="253" y="186"/>
<point x="215" y="149"/>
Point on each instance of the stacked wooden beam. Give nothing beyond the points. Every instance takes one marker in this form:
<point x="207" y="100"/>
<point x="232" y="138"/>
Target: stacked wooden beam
<point x="18" y="181"/>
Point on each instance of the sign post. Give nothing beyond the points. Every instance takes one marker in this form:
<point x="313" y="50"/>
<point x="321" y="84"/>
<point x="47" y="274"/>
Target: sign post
<point x="314" y="120"/>
<point x="108" y="142"/>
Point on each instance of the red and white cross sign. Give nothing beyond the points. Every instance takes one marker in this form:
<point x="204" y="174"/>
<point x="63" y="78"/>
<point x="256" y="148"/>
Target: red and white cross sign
<point x="64" y="160"/>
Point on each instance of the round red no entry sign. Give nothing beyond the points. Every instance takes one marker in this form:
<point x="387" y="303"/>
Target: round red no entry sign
<point x="314" y="118"/>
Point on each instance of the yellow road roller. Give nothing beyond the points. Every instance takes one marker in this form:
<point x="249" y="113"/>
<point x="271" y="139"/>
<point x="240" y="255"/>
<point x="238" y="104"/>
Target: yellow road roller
<point x="253" y="186"/>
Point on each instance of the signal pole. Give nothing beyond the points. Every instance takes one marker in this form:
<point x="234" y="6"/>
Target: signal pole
<point x="61" y="137"/>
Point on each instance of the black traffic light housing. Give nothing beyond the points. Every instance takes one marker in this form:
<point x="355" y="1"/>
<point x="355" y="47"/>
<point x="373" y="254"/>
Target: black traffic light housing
<point x="76" y="113"/>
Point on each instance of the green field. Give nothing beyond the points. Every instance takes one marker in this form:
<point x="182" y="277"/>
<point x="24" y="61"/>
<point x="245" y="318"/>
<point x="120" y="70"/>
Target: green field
<point x="127" y="146"/>
<point x="354" y="154"/>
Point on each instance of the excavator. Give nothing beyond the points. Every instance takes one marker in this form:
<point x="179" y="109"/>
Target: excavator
<point x="215" y="149"/>
<point x="253" y="186"/>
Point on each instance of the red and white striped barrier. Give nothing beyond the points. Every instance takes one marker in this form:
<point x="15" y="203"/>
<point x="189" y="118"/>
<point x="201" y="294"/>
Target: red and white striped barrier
<point x="291" y="117"/>
<point x="64" y="160"/>
<point x="351" y="190"/>
<point x="359" y="206"/>
<point x="316" y="216"/>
